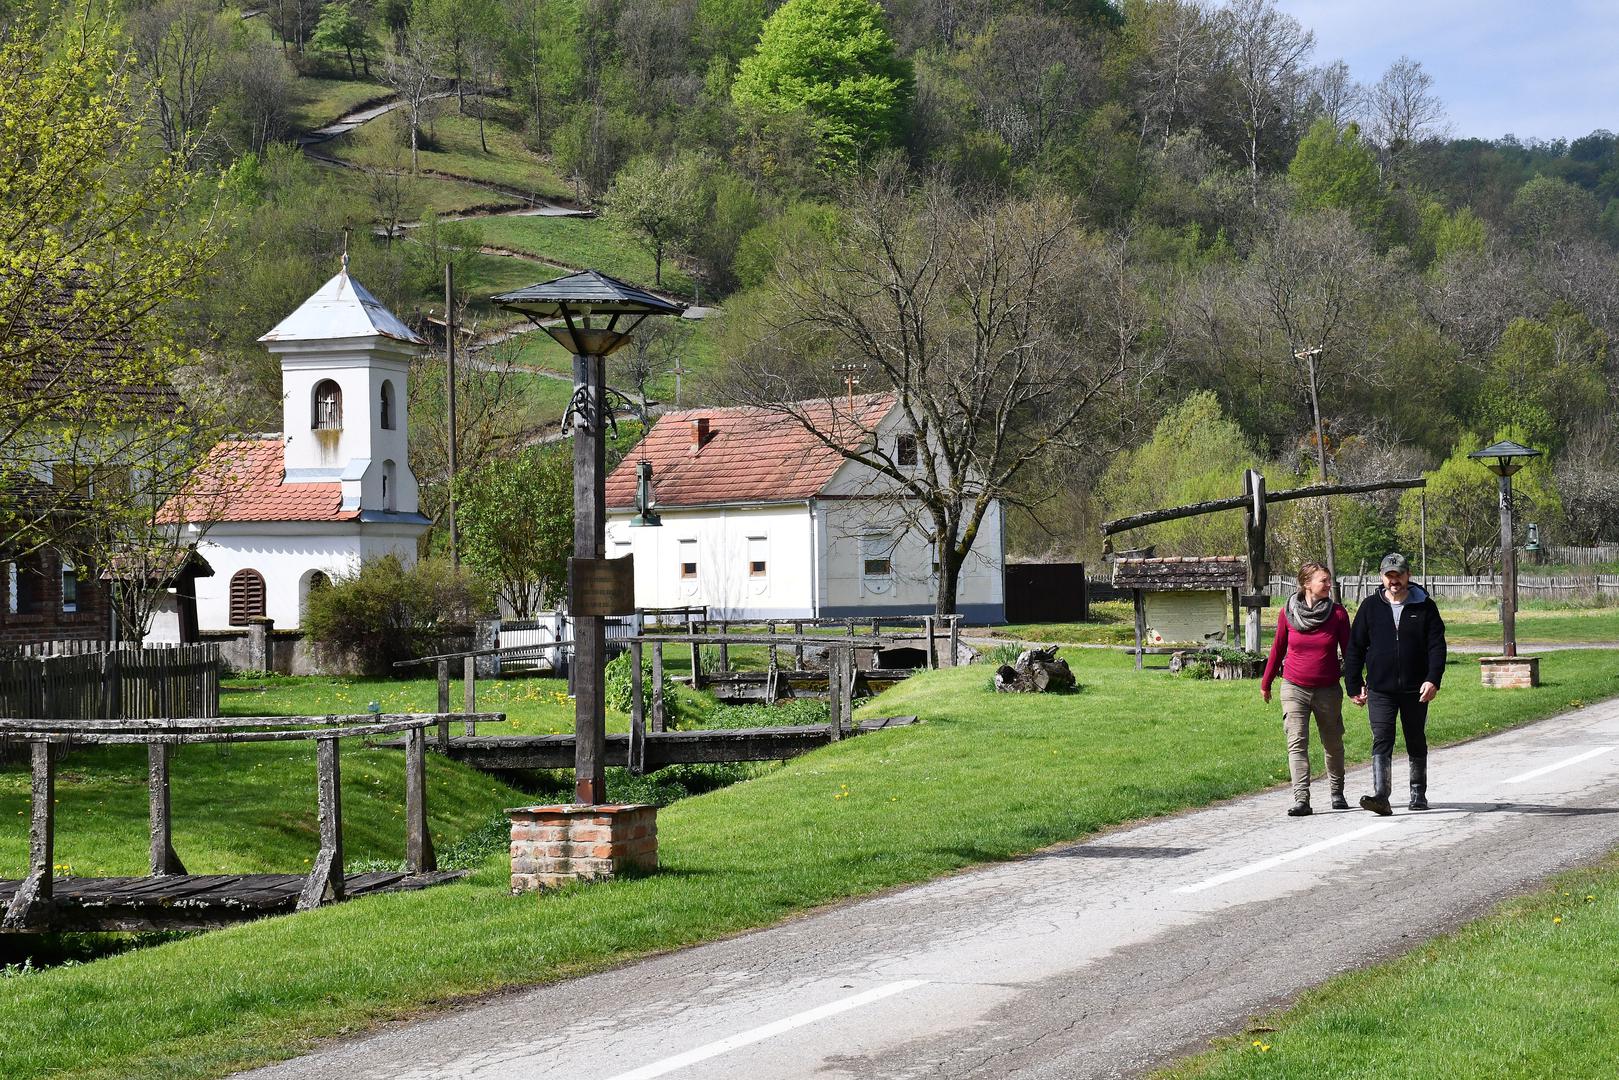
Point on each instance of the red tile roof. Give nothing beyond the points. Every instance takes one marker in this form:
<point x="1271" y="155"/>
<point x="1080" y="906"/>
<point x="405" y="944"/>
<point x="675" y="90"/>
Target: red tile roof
<point x="750" y="454"/>
<point x="243" y="480"/>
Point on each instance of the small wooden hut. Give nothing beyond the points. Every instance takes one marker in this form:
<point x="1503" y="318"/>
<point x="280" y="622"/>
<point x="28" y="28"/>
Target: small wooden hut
<point x="1183" y="601"/>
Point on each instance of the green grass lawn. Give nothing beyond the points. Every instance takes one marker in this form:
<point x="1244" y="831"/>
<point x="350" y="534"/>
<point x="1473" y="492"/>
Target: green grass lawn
<point x="1467" y="622"/>
<point x="452" y="149"/>
<point x="323" y="101"/>
<point x="581" y="243"/>
<point x="1525" y="993"/>
<point x="898" y="806"/>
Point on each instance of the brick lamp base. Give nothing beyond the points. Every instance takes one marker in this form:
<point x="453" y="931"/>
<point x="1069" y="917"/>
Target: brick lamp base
<point x="1510" y="672"/>
<point x="553" y="845"/>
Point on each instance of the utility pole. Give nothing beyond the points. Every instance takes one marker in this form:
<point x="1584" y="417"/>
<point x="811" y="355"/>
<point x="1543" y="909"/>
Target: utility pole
<point x="851" y="377"/>
<point x="449" y="386"/>
<point x="1309" y="357"/>
<point x="678" y="370"/>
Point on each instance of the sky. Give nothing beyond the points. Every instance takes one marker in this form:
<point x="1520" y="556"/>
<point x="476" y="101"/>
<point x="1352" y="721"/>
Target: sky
<point x="1547" y="69"/>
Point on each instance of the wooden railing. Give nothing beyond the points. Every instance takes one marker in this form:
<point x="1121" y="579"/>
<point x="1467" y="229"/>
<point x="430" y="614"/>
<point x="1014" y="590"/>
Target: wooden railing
<point x="48" y="737"/>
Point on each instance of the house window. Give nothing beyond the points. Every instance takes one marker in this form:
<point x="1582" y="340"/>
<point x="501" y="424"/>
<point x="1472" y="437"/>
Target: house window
<point x="317" y="582"/>
<point x="688" y="559"/>
<point x="246" y="597"/>
<point x="24" y="589"/>
<point x="757" y="559"/>
<point x="70" y="587"/>
<point x="905" y="450"/>
<point x="390" y="484"/>
<point x="387" y="405"/>
<point x="877" y="555"/>
<point x="11" y="588"/>
<point x="328" y="414"/>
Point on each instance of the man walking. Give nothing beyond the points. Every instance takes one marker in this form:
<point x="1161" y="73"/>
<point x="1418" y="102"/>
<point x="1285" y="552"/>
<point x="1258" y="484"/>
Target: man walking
<point x="1394" y="665"/>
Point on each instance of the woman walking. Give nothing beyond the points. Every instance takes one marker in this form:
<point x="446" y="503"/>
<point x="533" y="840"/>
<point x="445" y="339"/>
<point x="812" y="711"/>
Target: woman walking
<point x="1312" y="634"/>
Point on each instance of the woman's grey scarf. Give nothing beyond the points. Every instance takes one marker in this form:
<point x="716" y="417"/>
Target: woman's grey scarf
<point x="1306" y="615"/>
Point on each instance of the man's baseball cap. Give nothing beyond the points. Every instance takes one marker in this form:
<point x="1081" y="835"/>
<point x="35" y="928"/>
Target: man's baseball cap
<point x="1395" y="563"/>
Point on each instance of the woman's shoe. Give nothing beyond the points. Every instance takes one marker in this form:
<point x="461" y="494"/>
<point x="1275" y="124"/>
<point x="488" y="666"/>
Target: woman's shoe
<point x="1339" y="802"/>
<point x="1300" y="809"/>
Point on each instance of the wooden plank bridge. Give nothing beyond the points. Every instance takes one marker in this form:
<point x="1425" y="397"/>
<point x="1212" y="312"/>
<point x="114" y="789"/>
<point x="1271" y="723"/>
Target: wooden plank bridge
<point x="172" y="899"/>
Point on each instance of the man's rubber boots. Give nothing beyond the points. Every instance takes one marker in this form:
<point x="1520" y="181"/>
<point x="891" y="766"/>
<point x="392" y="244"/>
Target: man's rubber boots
<point x="1419" y="785"/>
<point x="1378" y="801"/>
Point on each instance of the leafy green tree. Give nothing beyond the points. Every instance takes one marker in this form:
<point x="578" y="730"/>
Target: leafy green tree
<point x="1334" y="168"/>
<point x="516" y="523"/>
<point x="99" y="242"/>
<point x="1548" y="210"/>
<point x="659" y="203"/>
<point x="1196" y="453"/>
<point x="341" y="30"/>
<point x="834" y="60"/>
<point x="1463" y="507"/>
<point x="1545" y="378"/>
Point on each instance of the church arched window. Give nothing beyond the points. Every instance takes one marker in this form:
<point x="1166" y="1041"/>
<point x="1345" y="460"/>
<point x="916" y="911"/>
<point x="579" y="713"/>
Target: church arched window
<point x="328" y="411"/>
<point x="387" y="405"/>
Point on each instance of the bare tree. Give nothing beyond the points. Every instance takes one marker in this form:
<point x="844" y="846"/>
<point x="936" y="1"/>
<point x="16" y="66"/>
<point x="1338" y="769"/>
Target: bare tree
<point x="182" y="48"/>
<point x="652" y="352"/>
<point x="986" y="323"/>
<point x="1404" y="110"/>
<point x="412" y="71"/>
<point x="1335" y="95"/>
<point x="262" y="96"/>
<point x="1265" y="53"/>
<point x="1031" y="77"/>
<point x="1179" y="63"/>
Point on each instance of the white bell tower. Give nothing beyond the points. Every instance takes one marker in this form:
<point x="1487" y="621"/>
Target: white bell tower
<point x="344" y="362"/>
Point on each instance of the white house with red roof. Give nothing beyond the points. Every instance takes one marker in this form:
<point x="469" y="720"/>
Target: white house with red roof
<point x="761" y="518"/>
<point x="287" y="512"/>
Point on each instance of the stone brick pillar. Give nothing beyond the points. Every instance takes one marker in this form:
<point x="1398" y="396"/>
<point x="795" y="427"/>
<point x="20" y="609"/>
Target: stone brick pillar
<point x="260" y="654"/>
<point x="553" y="845"/>
<point x="1509" y="672"/>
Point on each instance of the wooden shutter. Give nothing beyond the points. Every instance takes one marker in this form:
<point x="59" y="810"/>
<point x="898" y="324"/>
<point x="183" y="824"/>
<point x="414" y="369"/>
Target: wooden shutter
<point x="246" y="597"/>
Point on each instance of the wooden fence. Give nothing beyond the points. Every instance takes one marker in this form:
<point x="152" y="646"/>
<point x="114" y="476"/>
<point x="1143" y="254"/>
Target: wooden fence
<point x="1441" y="586"/>
<point x="115" y="683"/>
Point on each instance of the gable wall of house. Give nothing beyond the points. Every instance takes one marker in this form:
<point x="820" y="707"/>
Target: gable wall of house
<point x="44" y="619"/>
<point x="724" y="542"/>
<point x="858" y="535"/>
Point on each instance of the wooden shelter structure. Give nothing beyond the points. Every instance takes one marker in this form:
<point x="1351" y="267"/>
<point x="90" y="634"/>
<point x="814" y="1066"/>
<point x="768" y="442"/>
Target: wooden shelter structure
<point x="1180" y="601"/>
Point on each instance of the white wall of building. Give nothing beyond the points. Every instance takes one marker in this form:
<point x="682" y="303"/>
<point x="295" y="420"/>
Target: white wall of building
<point x="286" y="555"/>
<point x="724" y="542"/>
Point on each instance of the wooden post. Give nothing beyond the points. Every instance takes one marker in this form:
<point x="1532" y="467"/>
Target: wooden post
<point x="419" y="855"/>
<point x="725" y="647"/>
<point x="1141" y="626"/>
<point x="443" y="704"/>
<point x="657" y="686"/>
<point x="164" y="860"/>
<point x="1236" y="615"/>
<point x="469" y="695"/>
<point x="933" y="655"/>
<point x="34" y="902"/>
<point x="637" y="756"/>
<point x="325" y="882"/>
<point x="846" y="712"/>
<point x="1255" y="513"/>
<point x="798" y="647"/>
<point x="834" y="693"/>
<point x="696" y="664"/>
<point x="772" y="673"/>
<point x="955" y="639"/>
<point x="770" y="629"/>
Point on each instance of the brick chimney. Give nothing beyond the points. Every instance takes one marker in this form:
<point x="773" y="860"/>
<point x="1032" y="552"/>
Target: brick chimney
<point x="699" y="433"/>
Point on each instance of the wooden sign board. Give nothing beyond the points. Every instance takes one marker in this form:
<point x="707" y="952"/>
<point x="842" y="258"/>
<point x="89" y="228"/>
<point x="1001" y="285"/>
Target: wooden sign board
<point x="601" y="586"/>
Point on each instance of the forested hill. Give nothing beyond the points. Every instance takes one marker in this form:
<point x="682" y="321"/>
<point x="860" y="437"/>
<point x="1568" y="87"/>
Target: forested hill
<point x="1260" y="197"/>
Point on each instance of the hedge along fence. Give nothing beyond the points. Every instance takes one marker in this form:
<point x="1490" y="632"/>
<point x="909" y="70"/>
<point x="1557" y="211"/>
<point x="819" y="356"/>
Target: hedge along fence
<point x="117" y="683"/>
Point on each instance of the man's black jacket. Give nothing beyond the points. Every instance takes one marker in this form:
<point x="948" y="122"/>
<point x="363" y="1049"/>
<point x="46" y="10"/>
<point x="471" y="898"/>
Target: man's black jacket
<point x="1395" y="661"/>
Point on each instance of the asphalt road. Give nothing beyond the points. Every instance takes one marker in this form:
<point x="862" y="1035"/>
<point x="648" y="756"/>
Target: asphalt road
<point x="1099" y="959"/>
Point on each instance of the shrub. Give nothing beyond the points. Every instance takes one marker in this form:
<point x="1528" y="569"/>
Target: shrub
<point x="620" y="690"/>
<point x="386" y="612"/>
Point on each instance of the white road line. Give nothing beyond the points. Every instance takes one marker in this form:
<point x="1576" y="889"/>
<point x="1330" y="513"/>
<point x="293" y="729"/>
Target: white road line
<point x="1544" y="769"/>
<point x="1278" y="860"/>
<point x="767" y="1031"/>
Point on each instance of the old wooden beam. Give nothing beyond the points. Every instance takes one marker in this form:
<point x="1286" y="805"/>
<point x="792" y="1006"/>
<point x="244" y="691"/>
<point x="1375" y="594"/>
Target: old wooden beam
<point x="469" y="692"/>
<point x="955" y="638"/>
<point x="33" y="904"/>
<point x="834" y="695"/>
<point x="163" y="859"/>
<point x="798" y="646"/>
<point x="657" y="686"/>
<point x="443" y="702"/>
<point x="1314" y="491"/>
<point x="846" y="686"/>
<point x="419" y="855"/>
<point x="724" y="647"/>
<point x="1141" y="625"/>
<point x="637" y="763"/>
<point x="324" y="885"/>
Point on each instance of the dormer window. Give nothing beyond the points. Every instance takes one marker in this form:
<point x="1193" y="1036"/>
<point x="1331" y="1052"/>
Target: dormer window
<point x="905" y="451"/>
<point x="328" y="413"/>
<point x="387" y="406"/>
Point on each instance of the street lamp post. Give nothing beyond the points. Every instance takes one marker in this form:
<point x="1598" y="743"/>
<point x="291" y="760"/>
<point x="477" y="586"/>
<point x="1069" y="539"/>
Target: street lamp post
<point x="590" y="315"/>
<point x="1504" y="459"/>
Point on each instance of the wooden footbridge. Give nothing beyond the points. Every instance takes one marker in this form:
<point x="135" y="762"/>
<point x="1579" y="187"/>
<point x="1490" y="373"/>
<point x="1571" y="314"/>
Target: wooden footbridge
<point x="649" y="744"/>
<point x="171" y="899"/>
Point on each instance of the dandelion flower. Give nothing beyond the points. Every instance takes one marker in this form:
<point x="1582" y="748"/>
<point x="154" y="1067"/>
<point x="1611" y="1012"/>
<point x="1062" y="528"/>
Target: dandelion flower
<point x="1557" y="921"/>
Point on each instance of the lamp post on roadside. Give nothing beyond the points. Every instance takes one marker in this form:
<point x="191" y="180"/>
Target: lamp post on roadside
<point x="591" y="315"/>
<point x="1504" y="459"/>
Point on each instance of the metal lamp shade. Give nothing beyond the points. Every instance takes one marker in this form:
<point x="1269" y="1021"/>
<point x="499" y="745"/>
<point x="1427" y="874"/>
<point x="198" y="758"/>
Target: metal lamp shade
<point x="1505" y="457"/>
